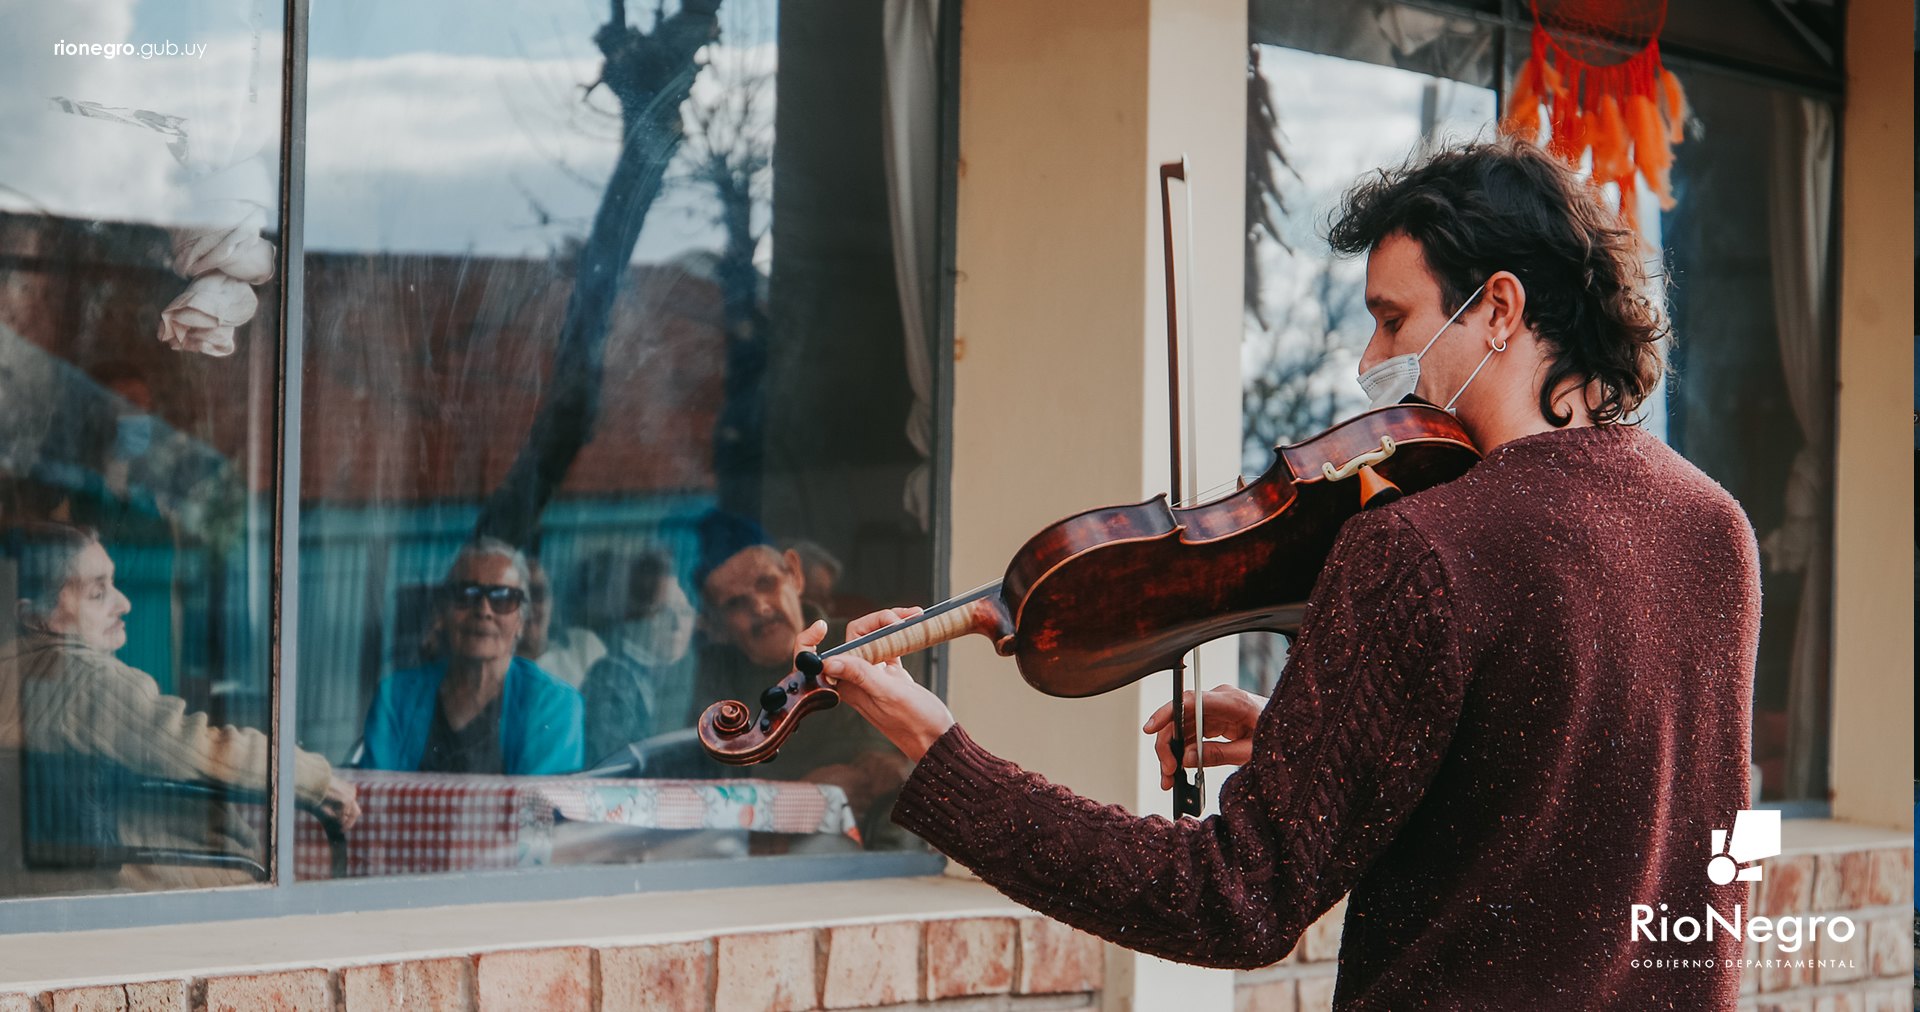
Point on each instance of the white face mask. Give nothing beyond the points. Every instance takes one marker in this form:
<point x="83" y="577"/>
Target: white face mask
<point x="1394" y="380"/>
<point x="662" y="637"/>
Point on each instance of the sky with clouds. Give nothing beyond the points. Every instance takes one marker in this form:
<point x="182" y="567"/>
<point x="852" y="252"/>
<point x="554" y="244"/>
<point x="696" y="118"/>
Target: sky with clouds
<point x="432" y="126"/>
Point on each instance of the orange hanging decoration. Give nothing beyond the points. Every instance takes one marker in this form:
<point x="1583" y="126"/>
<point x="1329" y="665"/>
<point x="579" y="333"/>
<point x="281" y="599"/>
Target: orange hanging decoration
<point x="1596" y="70"/>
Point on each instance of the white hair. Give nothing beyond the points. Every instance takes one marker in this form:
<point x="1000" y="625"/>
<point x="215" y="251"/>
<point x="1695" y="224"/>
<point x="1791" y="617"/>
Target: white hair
<point x="484" y="546"/>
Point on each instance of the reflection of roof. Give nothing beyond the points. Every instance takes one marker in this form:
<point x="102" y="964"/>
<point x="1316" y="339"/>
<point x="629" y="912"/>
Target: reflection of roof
<point x="425" y="372"/>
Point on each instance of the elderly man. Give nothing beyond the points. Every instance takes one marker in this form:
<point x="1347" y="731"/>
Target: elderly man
<point x="752" y="613"/>
<point x="67" y="701"/>
<point x="479" y="708"/>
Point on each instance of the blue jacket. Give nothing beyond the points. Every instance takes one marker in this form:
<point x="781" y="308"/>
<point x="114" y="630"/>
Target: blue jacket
<point x="540" y="720"/>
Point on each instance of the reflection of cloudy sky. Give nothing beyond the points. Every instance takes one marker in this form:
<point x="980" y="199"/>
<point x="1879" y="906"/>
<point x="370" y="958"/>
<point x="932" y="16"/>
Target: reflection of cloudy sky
<point x="94" y="168"/>
<point x="449" y="127"/>
<point x="432" y="126"/>
<point x="1340" y="119"/>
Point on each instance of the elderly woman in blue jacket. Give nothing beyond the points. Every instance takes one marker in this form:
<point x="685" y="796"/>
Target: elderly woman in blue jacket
<point x="479" y="709"/>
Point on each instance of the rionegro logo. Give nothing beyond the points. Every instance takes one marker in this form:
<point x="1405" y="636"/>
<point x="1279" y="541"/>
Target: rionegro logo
<point x="1756" y="835"/>
<point x="1736" y="857"/>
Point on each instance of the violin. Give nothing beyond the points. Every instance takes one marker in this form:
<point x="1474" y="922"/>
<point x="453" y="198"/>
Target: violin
<point x="1106" y="597"/>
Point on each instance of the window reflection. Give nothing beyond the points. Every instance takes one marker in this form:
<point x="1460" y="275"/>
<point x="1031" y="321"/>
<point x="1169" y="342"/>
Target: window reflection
<point x="606" y="399"/>
<point x="138" y="196"/>
<point x="1752" y="398"/>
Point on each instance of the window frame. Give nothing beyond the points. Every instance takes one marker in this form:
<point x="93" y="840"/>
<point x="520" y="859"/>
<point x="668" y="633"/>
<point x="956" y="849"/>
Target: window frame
<point x="281" y="895"/>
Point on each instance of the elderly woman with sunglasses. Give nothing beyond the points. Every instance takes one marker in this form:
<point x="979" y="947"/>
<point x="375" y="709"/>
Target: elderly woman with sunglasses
<point x="479" y="708"/>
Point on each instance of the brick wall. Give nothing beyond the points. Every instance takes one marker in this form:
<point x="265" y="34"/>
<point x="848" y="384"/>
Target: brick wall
<point x="1873" y="887"/>
<point x="978" y="964"/>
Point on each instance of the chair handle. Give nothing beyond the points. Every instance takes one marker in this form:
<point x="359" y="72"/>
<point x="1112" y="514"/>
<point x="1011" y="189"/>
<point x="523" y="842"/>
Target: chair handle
<point x="329" y="822"/>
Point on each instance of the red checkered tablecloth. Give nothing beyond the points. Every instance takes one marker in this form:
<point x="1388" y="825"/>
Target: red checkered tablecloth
<point x="417" y="823"/>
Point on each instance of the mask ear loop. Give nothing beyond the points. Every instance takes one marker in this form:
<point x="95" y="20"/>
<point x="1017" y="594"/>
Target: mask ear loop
<point x="1464" y="306"/>
<point x="1502" y="346"/>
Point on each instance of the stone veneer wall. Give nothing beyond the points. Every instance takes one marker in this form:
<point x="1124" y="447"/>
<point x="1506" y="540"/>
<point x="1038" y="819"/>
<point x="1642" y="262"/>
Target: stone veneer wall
<point x="1873" y="887"/>
<point x="984" y="964"/>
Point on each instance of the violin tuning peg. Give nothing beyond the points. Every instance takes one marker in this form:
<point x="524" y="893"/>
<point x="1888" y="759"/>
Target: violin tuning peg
<point x="808" y="663"/>
<point x="774" y="699"/>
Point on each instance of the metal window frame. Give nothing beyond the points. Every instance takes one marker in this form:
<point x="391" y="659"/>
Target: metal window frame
<point x="283" y="896"/>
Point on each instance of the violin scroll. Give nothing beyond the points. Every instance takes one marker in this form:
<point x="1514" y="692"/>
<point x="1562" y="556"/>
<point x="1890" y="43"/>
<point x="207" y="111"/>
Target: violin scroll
<point x="731" y="736"/>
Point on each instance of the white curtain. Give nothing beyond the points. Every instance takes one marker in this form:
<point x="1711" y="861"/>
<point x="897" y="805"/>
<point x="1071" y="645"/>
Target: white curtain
<point x="1800" y="206"/>
<point x="911" y="122"/>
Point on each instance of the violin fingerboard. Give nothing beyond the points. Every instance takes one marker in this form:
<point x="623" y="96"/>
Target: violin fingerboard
<point x="985" y="616"/>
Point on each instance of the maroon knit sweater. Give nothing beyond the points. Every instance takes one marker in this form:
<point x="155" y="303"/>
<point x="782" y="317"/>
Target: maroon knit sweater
<point x="1519" y="704"/>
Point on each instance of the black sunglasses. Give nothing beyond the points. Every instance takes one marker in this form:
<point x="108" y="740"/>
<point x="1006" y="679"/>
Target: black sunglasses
<point x="502" y="599"/>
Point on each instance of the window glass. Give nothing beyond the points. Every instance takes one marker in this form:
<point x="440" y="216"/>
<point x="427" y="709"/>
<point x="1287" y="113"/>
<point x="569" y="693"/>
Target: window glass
<point x="608" y="395"/>
<point x="1332" y="120"/>
<point x="1751" y="398"/>
<point x="1747" y="276"/>
<point x="139" y="340"/>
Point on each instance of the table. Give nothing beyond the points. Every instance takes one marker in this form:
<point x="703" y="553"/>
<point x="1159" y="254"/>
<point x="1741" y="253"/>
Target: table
<point x="420" y="823"/>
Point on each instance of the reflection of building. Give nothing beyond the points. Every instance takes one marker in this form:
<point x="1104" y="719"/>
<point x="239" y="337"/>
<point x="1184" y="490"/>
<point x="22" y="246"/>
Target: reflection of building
<point x="457" y="351"/>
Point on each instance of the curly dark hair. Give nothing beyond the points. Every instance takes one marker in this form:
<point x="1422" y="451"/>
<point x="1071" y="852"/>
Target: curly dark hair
<point x="1507" y="205"/>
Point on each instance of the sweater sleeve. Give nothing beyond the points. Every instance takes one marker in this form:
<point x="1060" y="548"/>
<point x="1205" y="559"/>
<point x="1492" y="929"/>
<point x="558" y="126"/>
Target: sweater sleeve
<point x="1342" y="753"/>
<point x="116" y="711"/>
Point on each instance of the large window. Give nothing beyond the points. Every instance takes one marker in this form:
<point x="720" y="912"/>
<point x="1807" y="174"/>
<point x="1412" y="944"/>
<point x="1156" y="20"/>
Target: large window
<point x="611" y="370"/>
<point x="1743" y="264"/>
<point x="606" y="317"/>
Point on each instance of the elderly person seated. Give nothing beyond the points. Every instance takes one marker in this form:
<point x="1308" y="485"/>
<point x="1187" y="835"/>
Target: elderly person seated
<point x="66" y="700"/>
<point x="623" y="690"/>
<point x="566" y="653"/>
<point x="478" y="708"/>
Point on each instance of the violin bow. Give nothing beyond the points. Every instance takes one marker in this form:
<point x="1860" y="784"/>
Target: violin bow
<point x="1188" y="796"/>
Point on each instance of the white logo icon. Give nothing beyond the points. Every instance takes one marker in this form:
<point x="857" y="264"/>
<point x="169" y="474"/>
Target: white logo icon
<point x="1756" y="834"/>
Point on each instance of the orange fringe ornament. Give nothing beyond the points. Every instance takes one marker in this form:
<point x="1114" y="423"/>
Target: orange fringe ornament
<point x="1629" y="114"/>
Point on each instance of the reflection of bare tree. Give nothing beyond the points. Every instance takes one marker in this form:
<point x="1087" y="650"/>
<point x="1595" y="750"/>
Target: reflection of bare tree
<point x="1286" y="398"/>
<point x="651" y="74"/>
<point x="729" y="149"/>
<point x="1264" y="160"/>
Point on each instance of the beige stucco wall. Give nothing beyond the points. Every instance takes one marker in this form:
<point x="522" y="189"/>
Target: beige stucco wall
<point x="1874" y="508"/>
<point x="1066" y="110"/>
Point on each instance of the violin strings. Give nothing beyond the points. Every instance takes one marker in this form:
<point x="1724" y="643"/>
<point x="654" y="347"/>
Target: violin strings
<point x="1209" y="493"/>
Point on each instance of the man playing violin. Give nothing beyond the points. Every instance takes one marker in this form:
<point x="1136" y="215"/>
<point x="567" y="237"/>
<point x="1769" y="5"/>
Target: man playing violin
<point x="1518" y="704"/>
